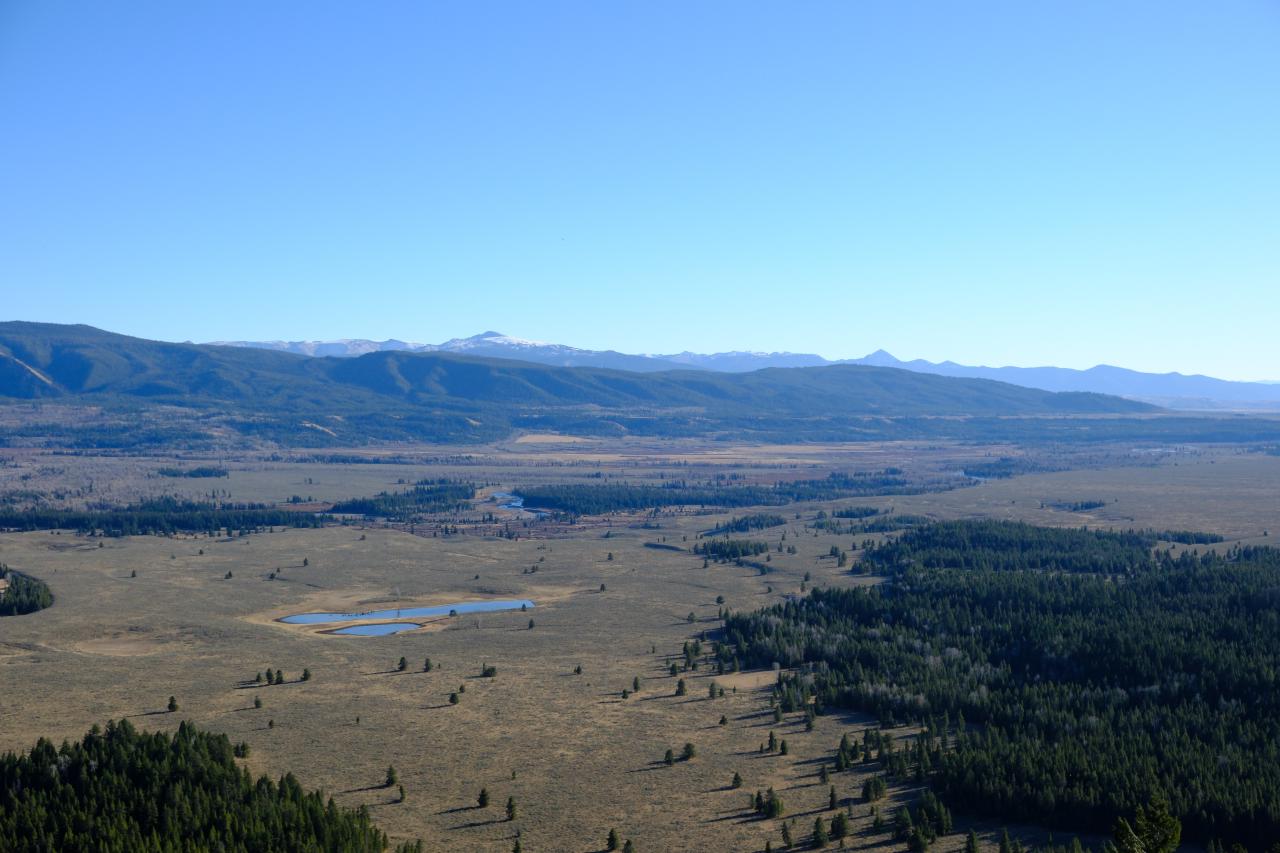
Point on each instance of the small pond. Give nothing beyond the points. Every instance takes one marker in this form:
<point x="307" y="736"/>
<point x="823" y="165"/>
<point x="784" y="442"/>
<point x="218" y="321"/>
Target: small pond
<point x="460" y="608"/>
<point x="379" y="630"/>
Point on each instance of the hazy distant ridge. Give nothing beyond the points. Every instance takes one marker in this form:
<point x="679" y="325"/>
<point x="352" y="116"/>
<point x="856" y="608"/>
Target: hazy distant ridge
<point x="1175" y="390"/>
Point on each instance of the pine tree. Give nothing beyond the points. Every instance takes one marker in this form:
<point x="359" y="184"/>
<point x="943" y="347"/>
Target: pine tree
<point x="511" y="808"/>
<point x="737" y="780"/>
<point x="173" y="704"/>
<point x="402" y="665"/>
<point x="820" y="837"/>
<point x="483" y="799"/>
<point x="611" y="843"/>
<point x="971" y="842"/>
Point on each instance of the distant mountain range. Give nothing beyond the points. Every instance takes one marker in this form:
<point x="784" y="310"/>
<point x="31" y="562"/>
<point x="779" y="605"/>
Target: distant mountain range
<point x="207" y="395"/>
<point x="1171" y="390"/>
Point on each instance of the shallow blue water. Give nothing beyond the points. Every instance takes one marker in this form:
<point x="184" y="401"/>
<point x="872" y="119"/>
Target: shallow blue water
<point x="379" y="630"/>
<point x="461" y="608"/>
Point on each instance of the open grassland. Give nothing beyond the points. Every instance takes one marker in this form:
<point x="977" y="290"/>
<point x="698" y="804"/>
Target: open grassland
<point x="577" y="757"/>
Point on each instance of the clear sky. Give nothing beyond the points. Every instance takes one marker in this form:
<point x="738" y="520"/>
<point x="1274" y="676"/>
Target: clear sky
<point x="1001" y="183"/>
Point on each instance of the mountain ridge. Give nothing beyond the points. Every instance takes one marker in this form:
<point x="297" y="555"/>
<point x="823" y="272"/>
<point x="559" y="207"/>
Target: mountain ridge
<point x="1173" y="390"/>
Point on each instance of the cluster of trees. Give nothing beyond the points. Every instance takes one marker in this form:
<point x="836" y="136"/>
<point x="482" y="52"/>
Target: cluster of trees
<point x="1014" y="546"/>
<point x="160" y="517"/>
<point x="426" y="496"/>
<point x="894" y="521"/>
<point x="22" y="594"/>
<point x="730" y="549"/>
<point x="599" y="498"/>
<point x="123" y="790"/>
<point x="757" y="521"/>
<point x="1099" y="692"/>
<point x="854" y="512"/>
<point x="1187" y="537"/>
<point x="202" y="472"/>
<point x="1079" y="506"/>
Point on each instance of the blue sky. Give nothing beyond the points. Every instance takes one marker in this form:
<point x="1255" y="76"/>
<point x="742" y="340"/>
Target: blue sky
<point x="998" y="183"/>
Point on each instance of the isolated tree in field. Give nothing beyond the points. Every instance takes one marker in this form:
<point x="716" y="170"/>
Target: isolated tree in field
<point x="306" y="675"/>
<point x="673" y="669"/>
<point x="279" y="677"/>
<point x="257" y="679"/>
<point x="453" y="698"/>
<point x="680" y="688"/>
<point x="305" y="562"/>
<point x="173" y="704"/>
<point x="628" y="847"/>
<point x="511" y="808"/>
<point x="711" y="691"/>
<point x="426" y="666"/>
<point x="773" y="741"/>
<point x="271" y="677"/>
<point x="782" y="747"/>
<point x="635" y="684"/>
<point x="688" y="752"/>
<point x="257" y="701"/>
<point x="611" y="843"/>
<point x="737" y="781"/>
<point x="831" y="798"/>
<point x="516" y="848"/>
<point x="391" y="777"/>
<point x="483" y="799"/>
<point x="402" y="665"/>
<point x="724" y="721"/>
<point x="530" y="624"/>
<point x="786" y="835"/>
<point x="402" y="793"/>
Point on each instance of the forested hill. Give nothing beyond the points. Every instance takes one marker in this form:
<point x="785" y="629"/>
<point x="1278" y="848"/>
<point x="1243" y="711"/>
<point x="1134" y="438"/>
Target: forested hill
<point x="46" y="361"/>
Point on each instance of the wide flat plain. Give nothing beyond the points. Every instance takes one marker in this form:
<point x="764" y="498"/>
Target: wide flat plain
<point x="576" y="756"/>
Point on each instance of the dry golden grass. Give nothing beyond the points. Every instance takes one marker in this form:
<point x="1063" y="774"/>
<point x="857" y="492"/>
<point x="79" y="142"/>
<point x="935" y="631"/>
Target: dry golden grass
<point x="578" y="759"/>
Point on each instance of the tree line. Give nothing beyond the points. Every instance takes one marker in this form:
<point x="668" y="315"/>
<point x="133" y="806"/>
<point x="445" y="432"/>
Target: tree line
<point x="23" y="594"/>
<point x="119" y="790"/>
<point x="160" y="517"/>
<point x="599" y="498"/>
<point x="1104" y="675"/>
<point x="426" y="496"/>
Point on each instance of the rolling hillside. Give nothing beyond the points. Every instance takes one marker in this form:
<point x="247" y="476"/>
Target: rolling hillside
<point x="51" y="361"/>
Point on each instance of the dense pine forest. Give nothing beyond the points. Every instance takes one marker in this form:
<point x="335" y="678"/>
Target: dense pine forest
<point x="159" y="517"/>
<point x="594" y="499"/>
<point x="121" y="790"/>
<point x="426" y="496"/>
<point x="22" y="594"/>
<point x="1101" y="674"/>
